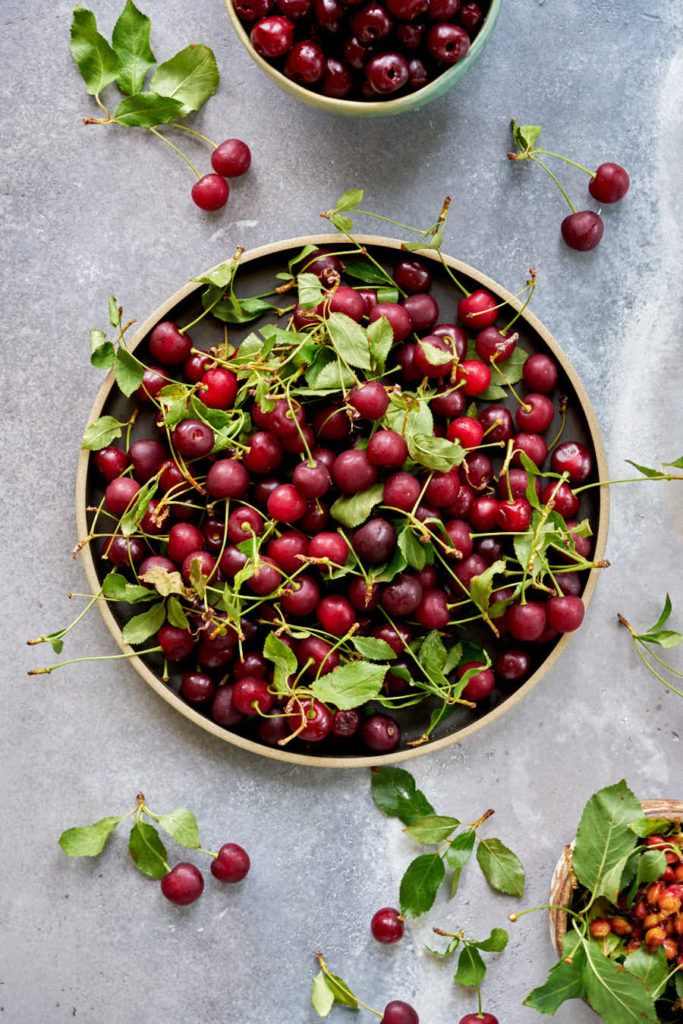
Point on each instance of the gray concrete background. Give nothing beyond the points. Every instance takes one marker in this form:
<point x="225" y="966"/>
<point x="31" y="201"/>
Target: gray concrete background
<point x="94" y="210"/>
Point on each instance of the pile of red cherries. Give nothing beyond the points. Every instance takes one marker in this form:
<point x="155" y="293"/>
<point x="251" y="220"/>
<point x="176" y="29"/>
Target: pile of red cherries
<point x="362" y="49"/>
<point x="295" y="461"/>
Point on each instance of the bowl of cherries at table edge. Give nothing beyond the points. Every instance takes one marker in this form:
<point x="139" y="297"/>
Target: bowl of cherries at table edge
<point x="365" y="58"/>
<point x="463" y="506"/>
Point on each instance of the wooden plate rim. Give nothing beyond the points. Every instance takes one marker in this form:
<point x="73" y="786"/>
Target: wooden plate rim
<point x="401" y="755"/>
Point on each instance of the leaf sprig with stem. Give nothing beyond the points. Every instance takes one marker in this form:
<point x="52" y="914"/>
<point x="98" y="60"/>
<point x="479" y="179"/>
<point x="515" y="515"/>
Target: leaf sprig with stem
<point x="656" y="636"/>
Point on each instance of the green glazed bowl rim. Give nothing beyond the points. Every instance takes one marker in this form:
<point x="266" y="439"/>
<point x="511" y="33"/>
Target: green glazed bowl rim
<point x="382" y="108"/>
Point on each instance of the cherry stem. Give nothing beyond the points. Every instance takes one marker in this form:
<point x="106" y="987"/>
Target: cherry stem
<point x="545" y="906"/>
<point x="629" y="480"/>
<point x="102" y="657"/>
<point x="546" y="152"/>
<point x="531" y="285"/>
<point x="326" y="971"/>
<point x="175" y="148"/>
<point x="548" y="171"/>
<point x="563" y="413"/>
<point x="191" y="131"/>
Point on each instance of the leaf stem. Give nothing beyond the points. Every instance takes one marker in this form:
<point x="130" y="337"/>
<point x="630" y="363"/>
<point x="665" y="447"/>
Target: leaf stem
<point x="546" y="152"/>
<point x="184" y="128"/>
<point x="629" y="480"/>
<point x="102" y="657"/>
<point x="175" y="148"/>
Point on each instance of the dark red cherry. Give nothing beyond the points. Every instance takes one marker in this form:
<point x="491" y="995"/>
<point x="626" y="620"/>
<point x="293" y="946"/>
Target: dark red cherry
<point x="371" y="23"/>
<point x="387" y="926"/>
<point x="183" y="884"/>
<point x="411" y="275"/>
<point x="232" y="863"/>
<point x="387" y="73"/>
<point x="273" y="36"/>
<point x="232" y="158"/>
<point x="583" y="230"/>
<point x="471" y="16"/>
<point x="447" y="42"/>
<point x="305" y="62"/>
<point x="573" y="458"/>
<point x="609" y="184"/>
<point x="210" y="192"/>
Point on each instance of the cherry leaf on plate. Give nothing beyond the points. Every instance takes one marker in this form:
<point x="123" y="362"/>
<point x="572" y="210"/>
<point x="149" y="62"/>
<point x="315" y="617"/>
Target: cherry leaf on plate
<point x="147" y="850"/>
<point x="414" y="552"/>
<point x="604" y="838"/>
<point x="435" y="452"/>
<point x="420" y="884"/>
<point x="101" y="433"/>
<point x="408" y="415"/>
<point x="651" y="968"/>
<point x="502" y="867"/>
<point x="432" y="829"/>
<point x="140" y="627"/>
<point x="136" y="511"/>
<point x="147" y="110"/>
<point x="395" y="792"/>
<point x="368" y="273"/>
<point x="163" y="581"/>
<point x="381" y="336"/>
<point x="190" y="77"/>
<point x="310" y="290"/>
<point x="350" y="685"/>
<point x="372" y="648"/>
<point x="102" y="352"/>
<point x="619" y="997"/>
<point x="128" y="372"/>
<point x="349" y="340"/>
<point x="649" y="826"/>
<point x="471" y="967"/>
<point x="565" y="980"/>
<point x="181" y="825"/>
<point x="176" y="615"/>
<point x="355" y="509"/>
<point x="285" y="663"/>
<point x="97" y="62"/>
<point x="130" y="40"/>
<point x="87" y="840"/>
<point x="651" y="866"/>
<point x="117" y="588"/>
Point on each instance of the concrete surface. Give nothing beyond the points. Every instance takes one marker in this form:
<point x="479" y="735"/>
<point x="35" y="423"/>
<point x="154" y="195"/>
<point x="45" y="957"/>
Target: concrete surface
<point x="92" y="210"/>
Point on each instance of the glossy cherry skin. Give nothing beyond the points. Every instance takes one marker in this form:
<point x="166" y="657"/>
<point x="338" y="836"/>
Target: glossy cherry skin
<point x="252" y="10"/>
<point x="371" y="23"/>
<point x="433" y="612"/>
<point x="536" y="414"/>
<point x="447" y="42"/>
<point x="411" y="275"/>
<point x="449" y="402"/>
<point x="474" y="1018"/>
<point x="305" y="62"/>
<point x="425" y="360"/>
<point x="223" y="710"/>
<point x="480" y="685"/>
<point x="168" y="345"/>
<point x="565" y="614"/>
<point x="120" y="493"/>
<point x="311" y="481"/>
<point x="193" y="439"/>
<point x="232" y="863"/>
<point x="478" y="309"/>
<point x="375" y="541"/>
<point x="526" y="621"/>
<point x="497" y="423"/>
<point x="610" y="183"/>
<point x="211" y="192"/>
<point x="285" y="504"/>
<point x="183" y="884"/>
<point x="218" y="388"/>
<point x="335" y="615"/>
<point x="319" y="654"/>
<point x="227" y="478"/>
<point x="354" y="470"/>
<point x="338" y="79"/>
<point x="328" y="14"/>
<point x="533" y="446"/>
<point x="301" y="597"/>
<point x="370" y="400"/>
<point x="573" y="458"/>
<point x="387" y="449"/>
<point x="273" y="37"/>
<point x="251" y="696"/>
<point x="583" y="230"/>
<point x="512" y="665"/>
<point x="398" y="1012"/>
<point x="110" y="461"/>
<point x="564" y="500"/>
<point x="402" y="596"/>
<point x="387" y="926"/>
<point x="491" y="344"/>
<point x="124" y="552"/>
<point x="315" y="718"/>
<point x="387" y="73"/>
<point x="231" y="159"/>
<point x="423" y="310"/>
<point x="474" y="376"/>
<point x="380" y="733"/>
<point x="471" y="16"/>
<point x="540" y="372"/>
<point x="398" y="317"/>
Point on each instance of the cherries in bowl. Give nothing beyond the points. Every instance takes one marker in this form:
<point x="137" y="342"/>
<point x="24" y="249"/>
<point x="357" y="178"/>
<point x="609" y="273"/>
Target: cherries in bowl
<point x="259" y="490"/>
<point x="364" y="59"/>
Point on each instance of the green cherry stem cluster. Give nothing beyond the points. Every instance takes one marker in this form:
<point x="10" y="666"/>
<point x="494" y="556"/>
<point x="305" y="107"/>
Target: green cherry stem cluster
<point x="656" y="636"/>
<point x="181" y="884"/>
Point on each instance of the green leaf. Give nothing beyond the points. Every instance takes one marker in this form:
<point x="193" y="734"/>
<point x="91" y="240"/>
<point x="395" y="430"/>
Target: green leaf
<point x="88" y="840"/>
<point x="322" y="995"/>
<point x="482" y="585"/>
<point x="496" y="942"/>
<point x="678" y="981"/>
<point x="140" y="627"/>
<point x="349" y="340"/>
<point x="565" y="980"/>
<point x="448" y="951"/>
<point x="190" y="77"/>
<point x="350" y="685"/>
<point x="471" y="967"/>
<point x="128" y="372"/>
<point x="147" y="850"/>
<point x="137" y="509"/>
<point x="147" y="110"/>
<point x="350" y="200"/>
<point x="117" y="588"/>
<point x="355" y="509"/>
<point x="415" y="553"/>
<point x="114" y="312"/>
<point x="241" y="311"/>
<point x="310" y="290"/>
<point x="435" y="452"/>
<point x="408" y="415"/>
<point x="368" y="273"/>
<point x="221" y="276"/>
<point x="328" y="373"/>
<point x="664" y="638"/>
<point x="175" y="614"/>
<point x="101" y="433"/>
<point x="531" y="472"/>
<point x="395" y="792"/>
<point x="664" y="617"/>
<point x="432" y="829"/>
<point x="460" y="849"/>
<point x="649" y="826"/>
<point x="381" y="336"/>
<point x="645" y="470"/>
<point x="619" y="997"/>
<point x="512" y="367"/>
<point x="181" y="825"/>
<point x="97" y="62"/>
<point x="131" y="45"/>
<point x="651" y="968"/>
<point x="525" y="135"/>
<point x="102" y="352"/>
<point x="284" y="660"/>
<point x="604" y="839"/>
<point x="341" y="991"/>
<point x="343" y="224"/>
<point x="373" y="649"/>
<point x="420" y="884"/>
<point x="502" y="867"/>
<point x="651" y="865"/>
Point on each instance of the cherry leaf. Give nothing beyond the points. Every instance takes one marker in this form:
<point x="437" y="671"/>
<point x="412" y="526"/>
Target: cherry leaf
<point x="140" y="627"/>
<point x="181" y="825"/>
<point x="322" y="995"/>
<point x="350" y="200"/>
<point x="128" y="372"/>
<point x="88" y="840"/>
<point x="147" y="110"/>
<point x="471" y="967"/>
<point x="432" y="829"/>
<point x="190" y="77"/>
<point x="101" y="433"/>
<point x="350" y="685"/>
<point x="502" y="867"/>
<point x="420" y="884"/>
<point x="130" y="40"/>
<point x="97" y="62"/>
<point x="395" y="792"/>
<point x="147" y="850"/>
